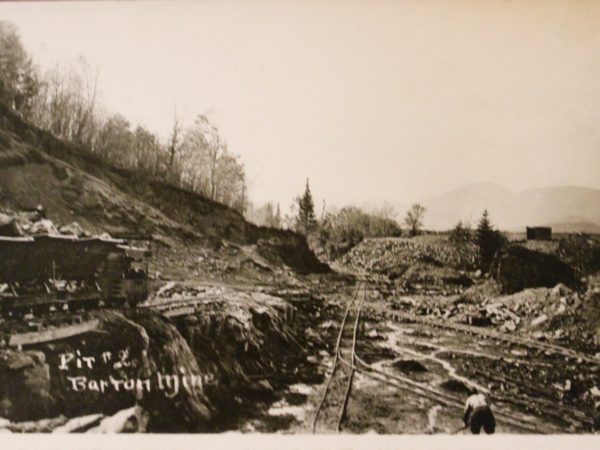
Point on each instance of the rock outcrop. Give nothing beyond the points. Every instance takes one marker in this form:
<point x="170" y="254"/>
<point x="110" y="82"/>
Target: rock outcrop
<point x="186" y="373"/>
<point x="517" y="268"/>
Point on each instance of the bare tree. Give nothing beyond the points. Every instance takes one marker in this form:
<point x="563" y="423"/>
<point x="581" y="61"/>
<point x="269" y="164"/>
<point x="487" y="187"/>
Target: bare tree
<point x="64" y="102"/>
<point x="19" y="78"/>
<point x="387" y="212"/>
<point x="86" y="89"/>
<point x="216" y="147"/>
<point x="173" y="146"/>
<point x="115" y="142"/>
<point x="414" y="217"/>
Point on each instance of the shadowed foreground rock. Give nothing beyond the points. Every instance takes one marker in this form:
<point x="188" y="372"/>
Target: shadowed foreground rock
<point x="518" y="268"/>
<point x="45" y="383"/>
<point x="180" y="374"/>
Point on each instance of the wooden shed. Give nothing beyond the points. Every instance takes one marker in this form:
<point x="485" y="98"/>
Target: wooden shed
<point x="539" y="233"/>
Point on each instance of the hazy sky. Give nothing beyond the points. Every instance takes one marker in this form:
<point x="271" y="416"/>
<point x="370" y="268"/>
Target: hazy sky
<point x="385" y="100"/>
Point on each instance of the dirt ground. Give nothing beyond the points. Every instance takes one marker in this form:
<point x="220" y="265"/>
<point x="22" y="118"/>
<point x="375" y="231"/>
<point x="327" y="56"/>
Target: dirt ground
<point x="531" y="390"/>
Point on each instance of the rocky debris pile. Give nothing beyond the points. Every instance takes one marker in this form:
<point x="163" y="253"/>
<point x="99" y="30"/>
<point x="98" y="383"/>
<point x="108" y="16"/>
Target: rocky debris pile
<point x="517" y="268"/>
<point x="582" y="252"/>
<point x="34" y="223"/>
<point x="241" y="339"/>
<point x="392" y="255"/>
<point x="177" y="291"/>
<point x="430" y="279"/>
<point x="530" y="309"/>
<point x="228" y="304"/>
<point x="129" y="420"/>
<point x="246" y="341"/>
<point x="181" y="262"/>
<point x="225" y="261"/>
<point x="553" y="314"/>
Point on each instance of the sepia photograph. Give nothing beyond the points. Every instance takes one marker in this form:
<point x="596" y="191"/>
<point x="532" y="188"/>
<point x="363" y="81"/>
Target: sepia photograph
<point x="291" y="218"/>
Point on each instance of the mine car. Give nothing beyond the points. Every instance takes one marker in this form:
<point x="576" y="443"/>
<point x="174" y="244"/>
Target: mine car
<point x="40" y="274"/>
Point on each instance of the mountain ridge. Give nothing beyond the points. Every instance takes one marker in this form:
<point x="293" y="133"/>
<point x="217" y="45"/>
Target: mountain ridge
<point x="575" y="206"/>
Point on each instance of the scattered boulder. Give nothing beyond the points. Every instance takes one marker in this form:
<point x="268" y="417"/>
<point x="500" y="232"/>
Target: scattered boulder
<point x="79" y="424"/>
<point x="561" y="290"/>
<point x="37" y="426"/>
<point x="328" y="324"/>
<point x="312" y="359"/>
<point x="374" y="334"/>
<point x="539" y="320"/>
<point x="593" y="392"/>
<point x="43" y="226"/>
<point x="73" y="229"/>
<point x="125" y="421"/>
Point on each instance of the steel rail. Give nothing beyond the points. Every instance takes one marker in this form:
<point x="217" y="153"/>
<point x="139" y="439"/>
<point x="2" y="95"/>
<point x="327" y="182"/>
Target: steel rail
<point x="435" y="395"/>
<point x="335" y="363"/>
<point x="551" y="348"/>
<point x="352" y="367"/>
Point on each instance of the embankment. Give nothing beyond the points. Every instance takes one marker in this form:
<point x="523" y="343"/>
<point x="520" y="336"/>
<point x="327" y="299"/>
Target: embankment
<point x="189" y="373"/>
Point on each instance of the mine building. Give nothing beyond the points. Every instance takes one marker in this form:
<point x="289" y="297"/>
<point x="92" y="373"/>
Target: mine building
<point x="539" y="233"/>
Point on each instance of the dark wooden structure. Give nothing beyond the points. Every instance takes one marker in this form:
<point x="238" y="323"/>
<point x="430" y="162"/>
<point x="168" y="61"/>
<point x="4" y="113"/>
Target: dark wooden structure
<point x="44" y="272"/>
<point x="539" y="233"/>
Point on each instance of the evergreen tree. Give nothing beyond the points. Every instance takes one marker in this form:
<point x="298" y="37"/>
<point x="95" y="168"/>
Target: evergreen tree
<point x="461" y="238"/>
<point x="488" y="240"/>
<point x="306" y="221"/>
<point x="460" y="234"/>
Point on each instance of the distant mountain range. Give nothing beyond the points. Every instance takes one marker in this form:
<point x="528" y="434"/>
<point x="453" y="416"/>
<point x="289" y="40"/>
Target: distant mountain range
<point x="565" y="208"/>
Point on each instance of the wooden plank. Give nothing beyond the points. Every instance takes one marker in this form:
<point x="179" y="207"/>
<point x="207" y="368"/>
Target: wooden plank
<point x="56" y="334"/>
<point x="179" y="311"/>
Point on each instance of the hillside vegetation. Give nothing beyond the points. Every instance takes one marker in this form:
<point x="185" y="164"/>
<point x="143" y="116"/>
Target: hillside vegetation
<point x="74" y="186"/>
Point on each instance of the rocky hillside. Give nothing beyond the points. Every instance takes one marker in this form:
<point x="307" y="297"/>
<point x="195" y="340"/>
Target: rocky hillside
<point x="198" y="372"/>
<point x="74" y="186"/>
<point x="386" y="255"/>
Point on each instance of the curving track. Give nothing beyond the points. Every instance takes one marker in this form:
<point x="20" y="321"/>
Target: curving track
<point x="331" y="410"/>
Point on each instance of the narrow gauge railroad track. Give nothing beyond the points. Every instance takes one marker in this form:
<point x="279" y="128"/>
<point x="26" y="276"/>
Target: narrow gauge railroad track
<point x="469" y="329"/>
<point x="422" y="390"/>
<point x="528" y="398"/>
<point x="332" y="408"/>
<point x="521" y="421"/>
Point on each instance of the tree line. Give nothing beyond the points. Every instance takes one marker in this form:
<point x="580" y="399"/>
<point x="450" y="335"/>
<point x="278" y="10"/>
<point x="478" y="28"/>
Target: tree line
<point x="337" y="231"/>
<point x="488" y="241"/>
<point x="64" y="101"/>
